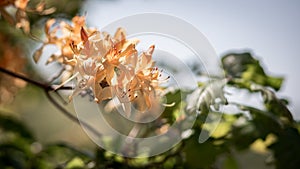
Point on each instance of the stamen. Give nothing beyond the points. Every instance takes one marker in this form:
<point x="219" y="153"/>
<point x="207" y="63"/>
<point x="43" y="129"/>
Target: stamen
<point x="67" y="81"/>
<point x="163" y="80"/>
<point x="168" y="104"/>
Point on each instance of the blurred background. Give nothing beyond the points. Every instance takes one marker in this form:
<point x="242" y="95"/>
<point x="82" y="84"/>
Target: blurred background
<point x="269" y="29"/>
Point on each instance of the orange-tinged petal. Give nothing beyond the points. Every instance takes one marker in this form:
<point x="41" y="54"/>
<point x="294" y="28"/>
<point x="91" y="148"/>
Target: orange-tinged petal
<point x="120" y="34"/>
<point x="49" y="24"/>
<point x="22" y="4"/>
<point x="139" y="102"/>
<point x="78" y="21"/>
<point x="128" y="51"/>
<point x="37" y="54"/>
<point x="145" y="59"/>
<point x="40" y="6"/>
<point x="84" y="36"/>
<point x="106" y="93"/>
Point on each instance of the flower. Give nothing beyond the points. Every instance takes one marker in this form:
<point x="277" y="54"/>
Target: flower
<point x="63" y="35"/>
<point x="21" y="4"/>
<point x="109" y="66"/>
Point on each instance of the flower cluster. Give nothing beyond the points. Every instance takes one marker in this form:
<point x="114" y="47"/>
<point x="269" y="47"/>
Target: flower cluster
<point x="19" y="18"/>
<point x="63" y="35"/>
<point x="109" y="66"/>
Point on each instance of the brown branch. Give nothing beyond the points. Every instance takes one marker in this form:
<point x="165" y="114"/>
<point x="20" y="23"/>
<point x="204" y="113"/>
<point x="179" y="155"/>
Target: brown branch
<point x="65" y="88"/>
<point x="47" y="89"/>
<point x="26" y="79"/>
<point x="71" y="116"/>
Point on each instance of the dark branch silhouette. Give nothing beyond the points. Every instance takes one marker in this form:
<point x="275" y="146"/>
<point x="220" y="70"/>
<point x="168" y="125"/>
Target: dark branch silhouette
<point x="47" y="89"/>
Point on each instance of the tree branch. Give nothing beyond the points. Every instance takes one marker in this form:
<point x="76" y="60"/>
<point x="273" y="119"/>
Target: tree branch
<point x="26" y="79"/>
<point x="71" y="116"/>
<point x="47" y="89"/>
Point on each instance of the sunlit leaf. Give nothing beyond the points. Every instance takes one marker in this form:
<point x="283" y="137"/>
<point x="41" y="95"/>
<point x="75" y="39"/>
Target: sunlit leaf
<point x="75" y="163"/>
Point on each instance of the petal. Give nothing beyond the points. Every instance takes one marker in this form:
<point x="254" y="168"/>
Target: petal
<point x="83" y="34"/>
<point x="145" y="59"/>
<point x="141" y="102"/>
<point x="22" y="4"/>
<point x="106" y="93"/>
<point x="48" y="25"/>
<point x="120" y="34"/>
<point x="37" y="54"/>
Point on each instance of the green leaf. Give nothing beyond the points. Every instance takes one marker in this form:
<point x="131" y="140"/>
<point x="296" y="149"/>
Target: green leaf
<point x="287" y="150"/>
<point x="10" y="124"/>
<point x="244" y="132"/>
<point x="273" y="104"/>
<point x="243" y="65"/>
<point x="176" y="98"/>
<point x="235" y="64"/>
<point x="242" y="136"/>
<point x="201" y="155"/>
<point x="230" y="163"/>
<point x="75" y="163"/>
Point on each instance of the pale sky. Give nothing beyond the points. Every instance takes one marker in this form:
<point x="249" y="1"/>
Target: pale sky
<point x="270" y="29"/>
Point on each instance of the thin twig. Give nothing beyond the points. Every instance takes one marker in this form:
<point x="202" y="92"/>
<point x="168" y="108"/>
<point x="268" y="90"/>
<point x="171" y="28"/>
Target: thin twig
<point x="71" y="116"/>
<point x="47" y="89"/>
<point x="61" y="98"/>
<point x="59" y="107"/>
<point x="65" y="88"/>
<point x="36" y="83"/>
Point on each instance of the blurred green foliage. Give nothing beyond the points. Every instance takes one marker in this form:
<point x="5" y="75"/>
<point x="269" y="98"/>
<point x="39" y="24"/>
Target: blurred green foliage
<point x="243" y="65"/>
